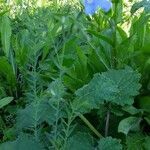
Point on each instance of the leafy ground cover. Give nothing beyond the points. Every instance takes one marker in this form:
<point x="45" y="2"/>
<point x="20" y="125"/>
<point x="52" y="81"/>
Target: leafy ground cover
<point x="74" y="81"/>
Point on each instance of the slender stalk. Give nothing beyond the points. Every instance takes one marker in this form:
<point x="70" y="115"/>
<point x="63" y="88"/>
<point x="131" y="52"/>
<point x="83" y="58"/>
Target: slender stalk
<point x="70" y="119"/>
<point x="113" y="66"/>
<point x="107" y="123"/>
<point x="90" y="126"/>
<point x="107" y="120"/>
<point x="56" y="123"/>
<point x="114" y="51"/>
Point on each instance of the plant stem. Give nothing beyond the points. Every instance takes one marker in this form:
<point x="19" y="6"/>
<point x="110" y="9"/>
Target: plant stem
<point x="113" y="66"/>
<point x="90" y="126"/>
<point x="107" y="123"/>
<point x="56" y="123"/>
<point x="70" y="119"/>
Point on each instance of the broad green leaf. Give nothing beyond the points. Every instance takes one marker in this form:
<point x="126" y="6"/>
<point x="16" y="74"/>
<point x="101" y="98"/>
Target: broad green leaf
<point x="5" y="101"/>
<point x="115" y="86"/>
<point x="5" y="33"/>
<point x="80" y="141"/>
<point x="128" y="124"/>
<point x="109" y="143"/>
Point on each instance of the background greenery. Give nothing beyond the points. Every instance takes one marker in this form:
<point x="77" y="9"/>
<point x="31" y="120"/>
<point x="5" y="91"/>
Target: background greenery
<point x="69" y="81"/>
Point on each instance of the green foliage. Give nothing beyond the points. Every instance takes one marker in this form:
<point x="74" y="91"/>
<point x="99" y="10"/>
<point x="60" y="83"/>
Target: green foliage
<point x="5" y="101"/>
<point x="69" y="81"/>
<point x="80" y="141"/>
<point x="35" y="114"/>
<point x="144" y="103"/>
<point x="23" y="142"/>
<point x="109" y="143"/>
<point x="138" y="5"/>
<point x="137" y="141"/>
<point x="128" y="124"/>
<point x="5" y="34"/>
<point x="111" y="86"/>
<point x="7" y="76"/>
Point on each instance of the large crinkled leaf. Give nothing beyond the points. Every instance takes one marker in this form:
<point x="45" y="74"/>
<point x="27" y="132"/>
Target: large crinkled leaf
<point x="115" y="86"/>
<point x="109" y="143"/>
<point x="128" y="124"/>
<point x="23" y="142"/>
<point x="80" y="141"/>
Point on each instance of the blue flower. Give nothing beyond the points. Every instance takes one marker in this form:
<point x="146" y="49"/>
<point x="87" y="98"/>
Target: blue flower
<point x="91" y="6"/>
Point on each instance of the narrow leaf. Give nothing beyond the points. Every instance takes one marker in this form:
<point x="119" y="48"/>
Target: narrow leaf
<point x="5" y="101"/>
<point x="5" y="33"/>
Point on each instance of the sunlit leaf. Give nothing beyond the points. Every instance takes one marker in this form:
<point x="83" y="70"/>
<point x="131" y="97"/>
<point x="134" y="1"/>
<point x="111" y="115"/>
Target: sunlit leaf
<point x="5" y="101"/>
<point x="128" y="124"/>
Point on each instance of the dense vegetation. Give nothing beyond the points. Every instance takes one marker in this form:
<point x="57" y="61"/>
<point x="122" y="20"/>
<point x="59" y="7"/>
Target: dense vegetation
<point x="72" y="81"/>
